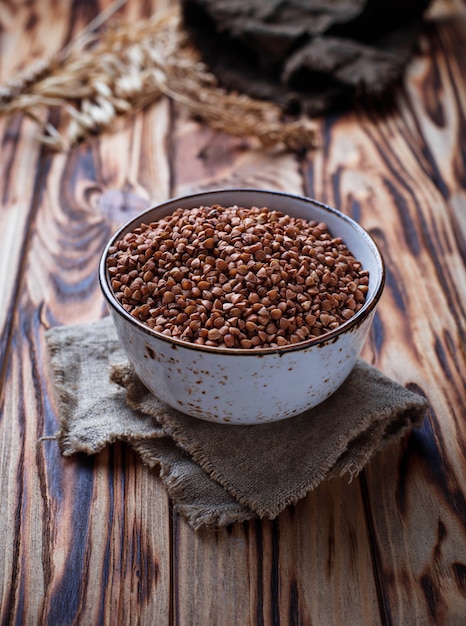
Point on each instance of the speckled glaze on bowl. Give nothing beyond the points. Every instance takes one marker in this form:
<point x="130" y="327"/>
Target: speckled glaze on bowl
<point x="236" y="386"/>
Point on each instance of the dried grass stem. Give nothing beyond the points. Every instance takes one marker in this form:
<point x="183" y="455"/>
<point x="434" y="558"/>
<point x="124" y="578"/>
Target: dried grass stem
<point x="99" y="77"/>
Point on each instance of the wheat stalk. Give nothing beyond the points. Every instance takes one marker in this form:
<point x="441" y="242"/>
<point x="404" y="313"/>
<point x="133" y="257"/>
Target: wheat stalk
<point x="97" y="78"/>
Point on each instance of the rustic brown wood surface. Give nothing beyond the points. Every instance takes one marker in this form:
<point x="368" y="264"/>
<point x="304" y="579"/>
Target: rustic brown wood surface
<point x="95" y="540"/>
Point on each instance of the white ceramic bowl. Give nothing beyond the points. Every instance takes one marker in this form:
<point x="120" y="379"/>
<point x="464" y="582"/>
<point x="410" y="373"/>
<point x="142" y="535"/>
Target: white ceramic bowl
<point x="237" y="386"/>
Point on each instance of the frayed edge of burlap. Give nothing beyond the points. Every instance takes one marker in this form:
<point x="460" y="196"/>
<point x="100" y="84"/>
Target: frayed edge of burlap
<point x="65" y="400"/>
<point x="386" y="430"/>
<point x="411" y="418"/>
<point x="198" y="457"/>
<point x="413" y="413"/>
<point x="196" y="515"/>
<point x="124" y="376"/>
<point x="198" y="519"/>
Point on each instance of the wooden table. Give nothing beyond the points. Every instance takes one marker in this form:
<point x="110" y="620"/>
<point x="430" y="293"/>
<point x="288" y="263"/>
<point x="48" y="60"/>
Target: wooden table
<point x="95" y="540"/>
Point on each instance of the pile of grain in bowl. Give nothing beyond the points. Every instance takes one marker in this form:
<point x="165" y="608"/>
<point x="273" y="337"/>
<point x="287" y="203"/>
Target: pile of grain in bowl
<point x="235" y="277"/>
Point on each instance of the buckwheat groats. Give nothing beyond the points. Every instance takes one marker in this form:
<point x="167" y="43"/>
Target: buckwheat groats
<point x="235" y="277"/>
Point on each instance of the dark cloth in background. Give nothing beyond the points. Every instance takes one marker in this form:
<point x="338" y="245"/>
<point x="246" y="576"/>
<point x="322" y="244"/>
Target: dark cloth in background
<point x="307" y="56"/>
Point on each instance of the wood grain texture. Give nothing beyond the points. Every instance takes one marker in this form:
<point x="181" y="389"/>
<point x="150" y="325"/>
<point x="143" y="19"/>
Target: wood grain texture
<point x="93" y="540"/>
<point x="88" y="539"/>
<point x="400" y="173"/>
<point x="429" y="493"/>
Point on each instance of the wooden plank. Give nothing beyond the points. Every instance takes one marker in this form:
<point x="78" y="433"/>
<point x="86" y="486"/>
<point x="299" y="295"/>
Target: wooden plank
<point x="25" y="35"/>
<point x="113" y="518"/>
<point x="324" y="566"/>
<point x="18" y="179"/>
<point x="90" y="533"/>
<point x="428" y="495"/>
<point x="313" y="563"/>
<point x="398" y="172"/>
<point x="88" y="539"/>
<point x="436" y="89"/>
<point x="310" y="565"/>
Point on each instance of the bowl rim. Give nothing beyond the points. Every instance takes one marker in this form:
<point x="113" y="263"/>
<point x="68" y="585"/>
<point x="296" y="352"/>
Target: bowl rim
<point x="329" y="337"/>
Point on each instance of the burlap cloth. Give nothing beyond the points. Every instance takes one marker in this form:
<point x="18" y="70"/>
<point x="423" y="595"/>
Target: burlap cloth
<point x="219" y="474"/>
<point x="307" y="56"/>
